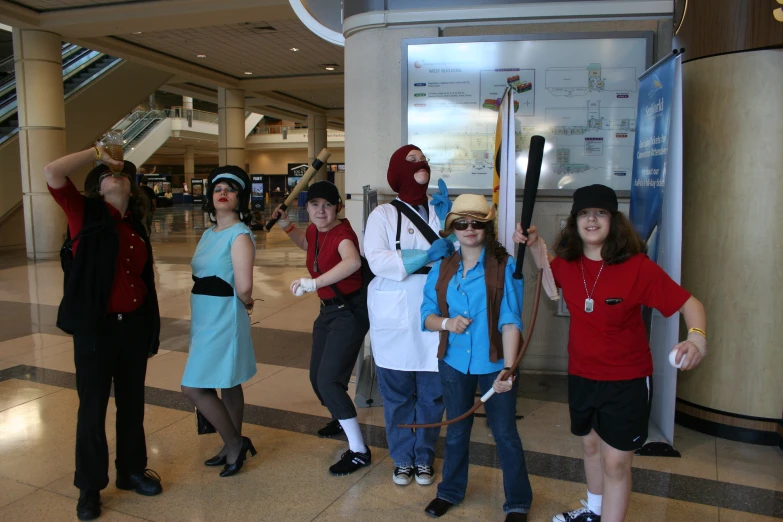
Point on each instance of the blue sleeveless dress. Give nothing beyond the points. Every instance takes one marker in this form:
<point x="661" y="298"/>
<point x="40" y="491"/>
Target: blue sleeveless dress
<point x="221" y="350"/>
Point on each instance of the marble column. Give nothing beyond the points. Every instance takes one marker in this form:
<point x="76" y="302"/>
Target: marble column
<point x="190" y="164"/>
<point x="41" y="106"/>
<point x="231" y="127"/>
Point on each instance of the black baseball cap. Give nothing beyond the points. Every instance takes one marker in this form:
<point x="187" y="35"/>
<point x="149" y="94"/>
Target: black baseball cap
<point x="594" y="196"/>
<point x="324" y="189"/>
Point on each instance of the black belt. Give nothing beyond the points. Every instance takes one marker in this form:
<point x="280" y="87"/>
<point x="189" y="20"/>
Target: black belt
<point x="340" y="300"/>
<point x="423" y="270"/>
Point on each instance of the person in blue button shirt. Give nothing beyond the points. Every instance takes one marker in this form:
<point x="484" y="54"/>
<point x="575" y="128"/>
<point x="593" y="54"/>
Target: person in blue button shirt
<point x="474" y="302"/>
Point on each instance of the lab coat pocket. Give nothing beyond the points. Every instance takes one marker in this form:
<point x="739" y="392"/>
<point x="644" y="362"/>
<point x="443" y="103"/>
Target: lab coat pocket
<point x="389" y="310"/>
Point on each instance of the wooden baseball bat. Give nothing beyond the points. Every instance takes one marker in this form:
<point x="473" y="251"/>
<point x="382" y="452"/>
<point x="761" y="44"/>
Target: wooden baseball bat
<point x="319" y="162"/>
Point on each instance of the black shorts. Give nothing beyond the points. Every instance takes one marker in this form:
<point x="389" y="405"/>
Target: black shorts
<point x="618" y="411"/>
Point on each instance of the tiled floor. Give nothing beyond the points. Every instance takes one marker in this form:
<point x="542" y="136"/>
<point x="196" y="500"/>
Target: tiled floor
<point x="715" y="480"/>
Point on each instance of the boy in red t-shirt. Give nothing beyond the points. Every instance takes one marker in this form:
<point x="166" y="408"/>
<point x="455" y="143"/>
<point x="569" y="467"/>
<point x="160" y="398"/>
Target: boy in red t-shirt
<point x="606" y="278"/>
<point x="334" y="264"/>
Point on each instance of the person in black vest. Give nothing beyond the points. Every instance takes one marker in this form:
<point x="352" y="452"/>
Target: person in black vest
<point x="111" y="308"/>
<point x="475" y="304"/>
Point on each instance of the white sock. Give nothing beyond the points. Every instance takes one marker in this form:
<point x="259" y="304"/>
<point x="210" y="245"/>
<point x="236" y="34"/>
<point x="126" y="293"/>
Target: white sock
<point x="354" y="434"/>
<point x="593" y="502"/>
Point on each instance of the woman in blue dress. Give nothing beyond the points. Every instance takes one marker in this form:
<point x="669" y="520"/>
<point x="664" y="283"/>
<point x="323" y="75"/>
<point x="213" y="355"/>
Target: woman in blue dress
<point x="221" y="350"/>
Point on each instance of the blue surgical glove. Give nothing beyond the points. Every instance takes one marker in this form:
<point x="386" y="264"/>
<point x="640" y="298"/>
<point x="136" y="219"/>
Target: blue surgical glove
<point x="440" y="249"/>
<point x="441" y="202"/>
<point x="412" y="259"/>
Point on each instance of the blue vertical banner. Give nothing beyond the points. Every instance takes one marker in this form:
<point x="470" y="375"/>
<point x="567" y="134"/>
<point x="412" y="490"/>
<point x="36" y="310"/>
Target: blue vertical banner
<point x="651" y="152"/>
<point x="656" y="214"/>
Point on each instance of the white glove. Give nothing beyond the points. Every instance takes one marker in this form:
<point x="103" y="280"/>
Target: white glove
<point x="283" y="223"/>
<point x="302" y="285"/>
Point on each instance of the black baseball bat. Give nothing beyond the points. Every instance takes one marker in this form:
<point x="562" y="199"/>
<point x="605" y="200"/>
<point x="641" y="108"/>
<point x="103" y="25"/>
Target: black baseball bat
<point x="319" y="162"/>
<point x="535" y="157"/>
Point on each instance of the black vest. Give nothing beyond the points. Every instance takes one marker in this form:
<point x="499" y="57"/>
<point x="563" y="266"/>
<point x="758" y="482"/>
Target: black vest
<point x="88" y="287"/>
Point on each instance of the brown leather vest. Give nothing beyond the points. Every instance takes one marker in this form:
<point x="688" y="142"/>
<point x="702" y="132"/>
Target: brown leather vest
<point x="494" y="277"/>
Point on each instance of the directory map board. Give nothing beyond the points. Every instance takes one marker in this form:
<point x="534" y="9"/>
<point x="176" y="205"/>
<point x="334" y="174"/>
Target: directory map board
<point x="579" y="91"/>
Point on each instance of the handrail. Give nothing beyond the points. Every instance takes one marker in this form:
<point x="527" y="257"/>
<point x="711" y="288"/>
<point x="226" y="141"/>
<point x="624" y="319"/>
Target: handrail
<point x="196" y="114"/>
<point x="137" y="129"/>
<point x="79" y="63"/>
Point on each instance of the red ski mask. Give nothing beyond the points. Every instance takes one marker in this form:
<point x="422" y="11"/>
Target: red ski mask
<point x="400" y="176"/>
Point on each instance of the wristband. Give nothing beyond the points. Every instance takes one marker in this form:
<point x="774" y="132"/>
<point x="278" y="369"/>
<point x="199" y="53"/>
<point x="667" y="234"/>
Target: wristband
<point x="698" y="331"/>
<point x="97" y="153"/>
<point x="443" y="324"/>
<point x="288" y="229"/>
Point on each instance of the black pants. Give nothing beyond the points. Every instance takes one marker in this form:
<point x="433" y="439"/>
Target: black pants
<point x="117" y="352"/>
<point x="338" y="334"/>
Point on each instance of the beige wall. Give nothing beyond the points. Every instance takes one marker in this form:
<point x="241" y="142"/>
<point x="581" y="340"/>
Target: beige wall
<point x="276" y="161"/>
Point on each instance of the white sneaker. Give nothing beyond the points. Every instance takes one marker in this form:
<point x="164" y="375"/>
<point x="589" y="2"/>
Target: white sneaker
<point x="425" y="475"/>
<point x="582" y="514"/>
<point x="403" y="475"/>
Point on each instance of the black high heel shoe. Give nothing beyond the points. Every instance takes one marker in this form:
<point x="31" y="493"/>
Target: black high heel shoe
<point x="233" y="469"/>
<point x="217" y="460"/>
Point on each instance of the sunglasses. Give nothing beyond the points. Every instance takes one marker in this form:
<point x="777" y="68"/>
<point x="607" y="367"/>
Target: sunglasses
<point x="463" y="225"/>
<point x="110" y="173"/>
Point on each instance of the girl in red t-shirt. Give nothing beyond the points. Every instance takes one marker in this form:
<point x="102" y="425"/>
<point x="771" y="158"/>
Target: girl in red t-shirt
<point x="606" y="278"/>
<point x="334" y="264"/>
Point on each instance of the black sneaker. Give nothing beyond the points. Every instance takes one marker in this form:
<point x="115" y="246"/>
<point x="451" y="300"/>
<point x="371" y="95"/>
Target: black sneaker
<point x="403" y="475"/>
<point x="349" y="462"/>
<point x="89" y="506"/>
<point x="425" y="475"/>
<point x="330" y="430"/>
<point x="147" y="483"/>
<point x="582" y="514"/>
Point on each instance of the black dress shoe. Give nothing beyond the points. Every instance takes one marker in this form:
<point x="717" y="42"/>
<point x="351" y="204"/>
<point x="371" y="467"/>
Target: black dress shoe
<point x="233" y="469"/>
<point x="89" y="506"/>
<point x="217" y="460"/>
<point x="147" y="483"/>
<point x="516" y="517"/>
<point x="438" y="507"/>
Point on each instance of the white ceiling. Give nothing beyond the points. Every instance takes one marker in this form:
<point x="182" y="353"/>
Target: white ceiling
<point x="238" y="48"/>
<point x="49" y="5"/>
<point x="226" y="31"/>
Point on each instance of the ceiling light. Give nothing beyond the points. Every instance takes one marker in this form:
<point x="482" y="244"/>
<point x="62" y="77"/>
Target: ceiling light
<point x="201" y="56"/>
<point x="294" y="49"/>
<point x="248" y="73"/>
<point x="330" y="68"/>
<point x="137" y="32"/>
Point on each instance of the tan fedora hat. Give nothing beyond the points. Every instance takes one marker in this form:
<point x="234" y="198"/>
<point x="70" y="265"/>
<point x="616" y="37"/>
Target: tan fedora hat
<point x="472" y="206"/>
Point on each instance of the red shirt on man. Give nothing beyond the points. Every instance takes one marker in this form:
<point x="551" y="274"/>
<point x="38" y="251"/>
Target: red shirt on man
<point x="128" y="289"/>
<point x="328" y="257"/>
<point x="610" y="343"/>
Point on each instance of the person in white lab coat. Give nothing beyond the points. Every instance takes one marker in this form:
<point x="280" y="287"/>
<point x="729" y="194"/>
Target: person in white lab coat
<point x="400" y="256"/>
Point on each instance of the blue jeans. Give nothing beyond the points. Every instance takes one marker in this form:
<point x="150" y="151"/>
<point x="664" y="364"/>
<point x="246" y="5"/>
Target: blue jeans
<point x="409" y="398"/>
<point x="459" y="395"/>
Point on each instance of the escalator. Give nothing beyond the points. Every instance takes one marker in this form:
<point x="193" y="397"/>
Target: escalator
<point x="80" y="67"/>
<point x="140" y="128"/>
<point x="99" y="90"/>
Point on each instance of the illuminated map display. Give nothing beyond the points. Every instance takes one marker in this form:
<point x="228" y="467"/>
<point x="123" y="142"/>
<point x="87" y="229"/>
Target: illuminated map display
<point x="579" y="93"/>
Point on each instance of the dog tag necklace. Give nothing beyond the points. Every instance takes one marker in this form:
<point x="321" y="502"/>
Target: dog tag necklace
<point x="589" y="303"/>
